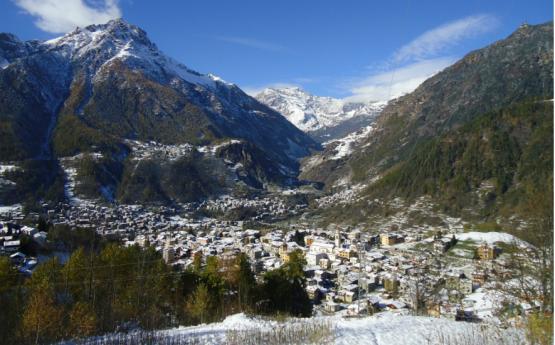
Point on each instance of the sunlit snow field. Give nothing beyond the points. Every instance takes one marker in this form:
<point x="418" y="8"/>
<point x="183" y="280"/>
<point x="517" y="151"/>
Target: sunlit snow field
<point x="388" y="328"/>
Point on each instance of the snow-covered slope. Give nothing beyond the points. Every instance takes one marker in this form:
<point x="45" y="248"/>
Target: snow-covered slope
<point x="491" y="237"/>
<point x="312" y="113"/>
<point x="95" y="47"/>
<point x="381" y="329"/>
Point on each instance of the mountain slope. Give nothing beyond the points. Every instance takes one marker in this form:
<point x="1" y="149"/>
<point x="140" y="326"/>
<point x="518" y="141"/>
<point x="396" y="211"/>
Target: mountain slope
<point x="113" y="79"/>
<point x="504" y="73"/>
<point x="324" y="118"/>
<point x="497" y="168"/>
<point x="97" y="88"/>
<point x="498" y="163"/>
<point x="484" y="155"/>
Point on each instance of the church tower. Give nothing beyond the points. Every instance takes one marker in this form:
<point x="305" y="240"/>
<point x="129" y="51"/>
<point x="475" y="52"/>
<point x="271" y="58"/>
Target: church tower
<point x="168" y="254"/>
<point x="337" y="238"/>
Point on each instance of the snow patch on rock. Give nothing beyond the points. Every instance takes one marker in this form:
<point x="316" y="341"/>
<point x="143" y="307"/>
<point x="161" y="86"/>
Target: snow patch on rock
<point x="344" y="146"/>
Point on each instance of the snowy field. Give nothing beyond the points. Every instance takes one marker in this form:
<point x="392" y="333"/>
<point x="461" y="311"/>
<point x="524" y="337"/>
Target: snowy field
<point x="491" y="238"/>
<point x="380" y="329"/>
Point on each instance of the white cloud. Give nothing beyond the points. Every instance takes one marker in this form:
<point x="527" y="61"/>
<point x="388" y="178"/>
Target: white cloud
<point x="418" y="60"/>
<point x="252" y="43"/>
<point x="255" y="90"/>
<point x="434" y="41"/>
<point x="61" y="16"/>
<point x="396" y="82"/>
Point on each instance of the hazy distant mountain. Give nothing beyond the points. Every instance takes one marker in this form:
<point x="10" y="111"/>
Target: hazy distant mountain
<point x="324" y="118"/>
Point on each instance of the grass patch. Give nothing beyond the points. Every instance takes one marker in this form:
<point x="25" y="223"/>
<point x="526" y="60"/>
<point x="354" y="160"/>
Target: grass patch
<point x="466" y="244"/>
<point x="297" y="332"/>
<point x="463" y="249"/>
<point x="507" y="248"/>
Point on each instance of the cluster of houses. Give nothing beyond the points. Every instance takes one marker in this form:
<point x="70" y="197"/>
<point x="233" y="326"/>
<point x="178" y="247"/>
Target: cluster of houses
<point x="106" y="220"/>
<point x="345" y="196"/>
<point x="12" y="238"/>
<point x="126" y="220"/>
<point x="349" y="271"/>
<point x="363" y="273"/>
<point x="152" y="149"/>
<point x="268" y="207"/>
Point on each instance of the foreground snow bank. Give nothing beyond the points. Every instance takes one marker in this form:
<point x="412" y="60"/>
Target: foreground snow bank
<point x="390" y="329"/>
<point x="381" y="329"/>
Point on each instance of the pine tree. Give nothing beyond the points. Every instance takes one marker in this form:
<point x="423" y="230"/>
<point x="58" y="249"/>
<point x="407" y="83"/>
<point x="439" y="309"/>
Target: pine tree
<point x="47" y="272"/>
<point x="214" y="281"/>
<point x="284" y="289"/>
<point x="197" y="262"/>
<point x="295" y="267"/>
<point x="154" y="290"/>
<point x="42" y="225"/>
<point x="245" y="280"/>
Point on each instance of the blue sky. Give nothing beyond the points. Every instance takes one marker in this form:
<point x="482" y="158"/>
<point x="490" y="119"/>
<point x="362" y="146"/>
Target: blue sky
<point x="361" y="50"/>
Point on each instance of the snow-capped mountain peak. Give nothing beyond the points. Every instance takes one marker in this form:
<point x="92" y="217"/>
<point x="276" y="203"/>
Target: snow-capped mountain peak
<point x="312" y="113"/>
<point x="97" y="46"/>
<point x="110" y="38"/>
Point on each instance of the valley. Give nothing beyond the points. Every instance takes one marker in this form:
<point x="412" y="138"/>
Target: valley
<point x="362" y="217"/>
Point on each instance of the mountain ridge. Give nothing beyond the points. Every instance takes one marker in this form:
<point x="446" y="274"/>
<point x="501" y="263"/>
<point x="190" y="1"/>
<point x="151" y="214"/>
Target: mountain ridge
<point x="324" y="118"/>
<point x="508" y="71"/>
<point x="95" y="88"/>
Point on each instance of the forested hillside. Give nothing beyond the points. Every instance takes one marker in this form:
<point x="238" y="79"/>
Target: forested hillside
<point x="500" y="160"/>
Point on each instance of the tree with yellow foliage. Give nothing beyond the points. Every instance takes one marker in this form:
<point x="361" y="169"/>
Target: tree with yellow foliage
<point x="43" y="318"/>
<point x="82" y="321"/>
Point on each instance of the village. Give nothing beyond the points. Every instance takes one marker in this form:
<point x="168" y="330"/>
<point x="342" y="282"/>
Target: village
<point x="441" y="272"/>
